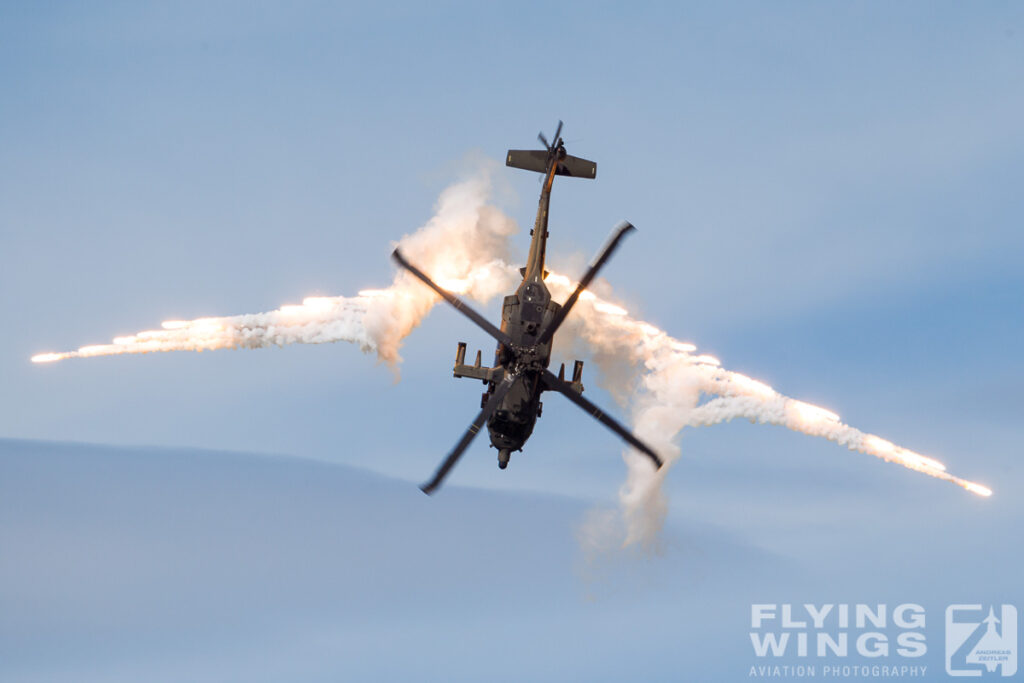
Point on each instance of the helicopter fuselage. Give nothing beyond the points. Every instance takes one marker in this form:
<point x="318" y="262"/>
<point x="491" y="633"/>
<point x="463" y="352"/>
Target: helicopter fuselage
<point x="529" y="320"/>
<point x="524" y="315"/>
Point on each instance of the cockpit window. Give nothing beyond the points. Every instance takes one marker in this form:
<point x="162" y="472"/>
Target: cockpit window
<point x="510" y="429"/>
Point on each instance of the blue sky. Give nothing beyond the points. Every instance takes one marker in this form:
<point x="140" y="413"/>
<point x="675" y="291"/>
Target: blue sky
<point x="827" y="198"/>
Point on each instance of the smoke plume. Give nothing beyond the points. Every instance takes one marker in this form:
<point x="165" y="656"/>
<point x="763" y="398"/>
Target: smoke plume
<point x="465" y="248"/>
<point x="666" y="380"/>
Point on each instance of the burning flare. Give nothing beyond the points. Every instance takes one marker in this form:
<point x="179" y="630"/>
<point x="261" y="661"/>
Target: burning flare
<point x="315" y="321"/>
<point x="664" y="379"/>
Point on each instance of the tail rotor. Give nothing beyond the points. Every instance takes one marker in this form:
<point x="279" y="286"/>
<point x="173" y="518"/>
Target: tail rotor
<point x="557" y="140"/>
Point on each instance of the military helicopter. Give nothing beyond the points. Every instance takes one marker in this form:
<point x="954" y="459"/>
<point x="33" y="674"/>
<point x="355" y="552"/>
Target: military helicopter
<point x="529" y="320"/>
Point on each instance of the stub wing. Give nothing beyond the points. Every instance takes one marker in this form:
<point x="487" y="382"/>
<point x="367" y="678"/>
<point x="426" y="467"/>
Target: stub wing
<point x="476" y="370"/>
<point x="537" y="160"/>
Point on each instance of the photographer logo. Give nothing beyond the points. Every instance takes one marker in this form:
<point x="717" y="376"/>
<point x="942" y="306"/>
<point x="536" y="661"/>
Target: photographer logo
<point x="981" y="640"/>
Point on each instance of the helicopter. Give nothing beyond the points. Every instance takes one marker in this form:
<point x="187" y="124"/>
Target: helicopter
<point x="529" y="320"/>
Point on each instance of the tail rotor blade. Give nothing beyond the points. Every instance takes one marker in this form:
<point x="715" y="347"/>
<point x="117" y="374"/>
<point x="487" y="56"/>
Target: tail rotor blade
<point x="621" y="231"/>
<point x="611" y="423"/>
<point x="455" y="301"/>
<point x="471" y="432"/>
<point x="543" y="140"/>
<point x="558" y="132"/>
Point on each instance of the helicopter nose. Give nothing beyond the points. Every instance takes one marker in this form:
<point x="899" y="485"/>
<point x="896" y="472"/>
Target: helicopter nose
<point x="503" y="456"/>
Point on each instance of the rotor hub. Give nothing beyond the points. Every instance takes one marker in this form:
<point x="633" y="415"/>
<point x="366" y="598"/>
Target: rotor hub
<point x="527" y="358"/>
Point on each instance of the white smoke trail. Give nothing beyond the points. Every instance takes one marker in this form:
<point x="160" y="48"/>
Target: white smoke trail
<point x="465" y="249"/>
<point x="464" y="246"/>
<point x="665" y="379"/>
<point x="317" y="320"/>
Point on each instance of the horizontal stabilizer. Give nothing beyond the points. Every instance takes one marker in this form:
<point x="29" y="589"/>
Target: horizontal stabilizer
<point x="537" y="160"/>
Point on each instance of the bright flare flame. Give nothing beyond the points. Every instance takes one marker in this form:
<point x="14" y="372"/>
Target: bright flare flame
<point x="375" y="293"/>
<point x="978" y="488"/>
<point x="921" y="460"/>
<point x="879" y="444"/>
<point x="609" y="309"/>
<point x="455" y="285"/>
<point x="319" y="304"/>
<point x="809" y="413"/>
<point x="752" y="387"/>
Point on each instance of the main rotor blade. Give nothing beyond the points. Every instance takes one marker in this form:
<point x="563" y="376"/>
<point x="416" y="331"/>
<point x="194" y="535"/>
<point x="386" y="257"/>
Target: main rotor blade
<point x="621" y="231"/>
<point x="471" y="432"/>
<point x="611" y="423"/>
<point x="455" y="301"/>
